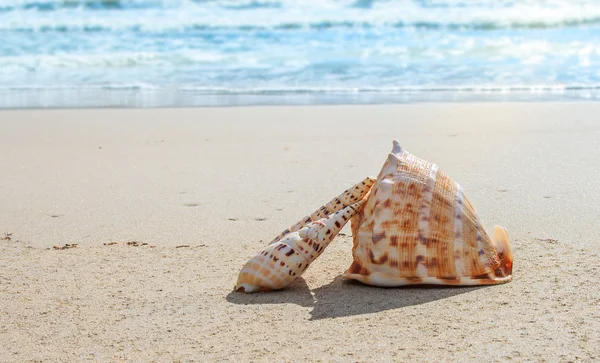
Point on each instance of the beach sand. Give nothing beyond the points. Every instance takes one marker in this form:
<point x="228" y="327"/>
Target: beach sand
<point x="202" y="190"/>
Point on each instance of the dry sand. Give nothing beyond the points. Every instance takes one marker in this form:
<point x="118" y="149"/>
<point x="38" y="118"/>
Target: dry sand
<point x="206" y="188"/>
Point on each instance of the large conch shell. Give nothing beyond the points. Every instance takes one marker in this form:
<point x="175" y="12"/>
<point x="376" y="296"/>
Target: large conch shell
<point x="290" y="253"/>
<point x="418" y="227"/>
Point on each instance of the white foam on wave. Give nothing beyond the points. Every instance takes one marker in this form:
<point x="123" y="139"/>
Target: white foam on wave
<point x="391" y="54"/>
<point x="179" y="15"/>
<point x="125" y="60"/>
<point x="203" y="90"/>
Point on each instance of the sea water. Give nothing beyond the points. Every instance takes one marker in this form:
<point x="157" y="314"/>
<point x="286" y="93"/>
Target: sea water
<point x="79" y="53"/>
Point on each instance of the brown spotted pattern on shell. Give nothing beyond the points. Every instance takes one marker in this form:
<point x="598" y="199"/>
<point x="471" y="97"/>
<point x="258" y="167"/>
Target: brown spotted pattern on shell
<point x="290" y="254"/>
<point x="350" y="196"/>
<point x="418" y="227"/>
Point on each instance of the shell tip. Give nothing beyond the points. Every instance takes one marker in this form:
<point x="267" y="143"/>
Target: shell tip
<point x="397" y="149"/>
<point x="250" y="289"/>
<point x="245" y="288"/>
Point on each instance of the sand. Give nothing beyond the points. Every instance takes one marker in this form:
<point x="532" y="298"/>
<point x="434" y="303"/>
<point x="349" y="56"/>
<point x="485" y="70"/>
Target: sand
<point x="201" y="190"/>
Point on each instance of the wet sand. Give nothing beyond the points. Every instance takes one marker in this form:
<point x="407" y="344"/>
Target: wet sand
<point x="201" y="190"/>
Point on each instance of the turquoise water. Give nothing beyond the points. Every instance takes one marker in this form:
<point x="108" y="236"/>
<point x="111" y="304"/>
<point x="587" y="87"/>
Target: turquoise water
<point x="181" y="52"/>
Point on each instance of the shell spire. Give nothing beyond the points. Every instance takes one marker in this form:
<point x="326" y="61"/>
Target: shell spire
<point x="350" y="196"/>
<point x="418" y="227"/>
<point x="325" y="229"/>
<point x="282" y="262"/>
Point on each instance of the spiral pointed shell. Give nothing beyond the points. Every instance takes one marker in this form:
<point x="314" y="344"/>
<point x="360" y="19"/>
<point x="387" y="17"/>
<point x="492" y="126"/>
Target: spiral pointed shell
<point x="282" y="262"/>
<point x="350" y="196"/>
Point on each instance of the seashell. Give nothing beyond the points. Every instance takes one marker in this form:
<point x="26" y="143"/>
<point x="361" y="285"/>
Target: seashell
<point x="349" y="196"/>
<point x="290" y="254"/>
<point x="418" y="227"/>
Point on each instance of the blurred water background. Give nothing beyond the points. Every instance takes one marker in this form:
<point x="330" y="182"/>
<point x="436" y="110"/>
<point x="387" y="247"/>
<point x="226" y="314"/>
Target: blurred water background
<point x="137" y="53"/>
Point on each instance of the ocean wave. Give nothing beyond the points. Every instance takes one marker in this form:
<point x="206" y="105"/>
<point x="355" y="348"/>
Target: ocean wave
<point x="91" y="5"/>
<point x="354" y="60"/>
<point x="55" y="5"/>
<point x="255" y="15"/>
<point x="289" y="26"/>
<point x="202" y="90"/>
<point x="122" y="60"/>
<point x="389" y="90"/>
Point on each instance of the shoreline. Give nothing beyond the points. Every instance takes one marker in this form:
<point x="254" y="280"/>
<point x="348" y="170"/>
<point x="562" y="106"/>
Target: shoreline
<point x="140" y="97"/>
